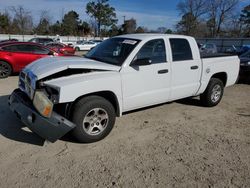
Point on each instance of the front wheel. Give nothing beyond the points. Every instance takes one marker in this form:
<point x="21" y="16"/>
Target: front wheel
<point x="213" y="94"/>
<point x="94" y="117"/>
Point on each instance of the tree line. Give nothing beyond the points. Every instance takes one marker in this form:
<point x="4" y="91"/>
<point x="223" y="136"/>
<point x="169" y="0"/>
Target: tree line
<point x="213" y="18"/>
<point x="199" y="18"/>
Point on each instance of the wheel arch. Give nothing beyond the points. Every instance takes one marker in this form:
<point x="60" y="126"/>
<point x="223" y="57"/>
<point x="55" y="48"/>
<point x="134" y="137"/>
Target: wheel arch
<point x="221" y="76"/>
<point x="108" y="95"/>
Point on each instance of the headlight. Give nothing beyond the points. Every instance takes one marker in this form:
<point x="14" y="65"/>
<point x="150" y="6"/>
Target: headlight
<point x="43" y="105"/>
<point x="248" y="63"/>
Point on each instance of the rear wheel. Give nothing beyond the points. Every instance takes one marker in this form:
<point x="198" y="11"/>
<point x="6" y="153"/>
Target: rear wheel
<point x="213" y="94"/>
<point x="94" y="117"/>
<point x="5" y="69"/>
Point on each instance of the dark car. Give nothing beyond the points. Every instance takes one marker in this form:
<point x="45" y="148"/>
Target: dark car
<point x="238" y="51"/>
<point x="14" y="56"/>
<point x="42" y="41"/>
<point x="245" y="65"/>
<point x="8" y="40"/>
<point x="244" y="49"/>
<point x="61" y="48"/>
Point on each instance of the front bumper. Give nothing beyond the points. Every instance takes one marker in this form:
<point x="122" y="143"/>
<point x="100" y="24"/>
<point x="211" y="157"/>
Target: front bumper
<point x="51" y="129"/>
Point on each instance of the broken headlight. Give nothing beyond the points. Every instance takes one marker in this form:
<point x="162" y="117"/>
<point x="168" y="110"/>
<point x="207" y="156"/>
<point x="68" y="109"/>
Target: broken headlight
<point x="43" y="105"/>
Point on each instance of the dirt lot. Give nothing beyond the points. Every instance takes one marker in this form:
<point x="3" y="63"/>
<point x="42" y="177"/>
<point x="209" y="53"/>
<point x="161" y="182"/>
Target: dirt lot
<point x="180" y="144"/>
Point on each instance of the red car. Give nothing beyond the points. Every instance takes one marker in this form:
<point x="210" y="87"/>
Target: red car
<point x="61" y="48"/>
<point x="14" y="56"/>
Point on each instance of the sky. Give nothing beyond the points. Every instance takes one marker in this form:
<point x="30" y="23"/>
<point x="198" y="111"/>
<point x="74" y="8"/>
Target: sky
<point x="148" y="13"/>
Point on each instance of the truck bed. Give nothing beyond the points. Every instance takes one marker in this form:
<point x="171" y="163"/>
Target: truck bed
<point x="206" y="55"/>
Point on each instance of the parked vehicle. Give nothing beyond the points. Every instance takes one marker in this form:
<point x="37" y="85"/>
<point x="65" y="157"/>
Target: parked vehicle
<point x="243" y="49"/>
<point x="14" y="56"/>
<point x="85" y="46"/>
<point x="124" y="73"/>
<point x="245" y="65"/>
<point x="95" y="41"/>
<point x="80" y="41"/>
<point x="9" y="40"/>
<point x="42" y="41"/>
<point x="209" y="49"/>
<point x="238" y="51"/>
<point x="61" y="48"/>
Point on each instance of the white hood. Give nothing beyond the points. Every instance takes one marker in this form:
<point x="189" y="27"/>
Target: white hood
<point x="47" y="66"/>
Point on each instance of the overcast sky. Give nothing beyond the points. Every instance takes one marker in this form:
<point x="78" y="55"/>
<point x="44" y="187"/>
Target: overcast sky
<point x="148" y="13"/>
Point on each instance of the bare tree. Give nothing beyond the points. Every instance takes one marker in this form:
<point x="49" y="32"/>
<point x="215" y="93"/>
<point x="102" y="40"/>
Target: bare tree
<point x="22" y="20"/>
<point x="219" y="12"/>
<point x="192" y="11"/>
<point x="195" y="7"/>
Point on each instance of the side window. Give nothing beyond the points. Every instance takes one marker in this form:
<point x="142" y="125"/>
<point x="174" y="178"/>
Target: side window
<point x="19" y="48"/>
<point x="181" y="50"/>
<point x="12" y="48"/>
<point x="154" y="50"/>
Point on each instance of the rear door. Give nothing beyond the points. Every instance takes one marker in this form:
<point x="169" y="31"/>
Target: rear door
<point x="186" y="68"/>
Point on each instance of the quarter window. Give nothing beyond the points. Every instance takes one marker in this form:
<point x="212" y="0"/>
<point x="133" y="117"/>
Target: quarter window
<point x="181" y="50"/>
<point x="153" y="50"/>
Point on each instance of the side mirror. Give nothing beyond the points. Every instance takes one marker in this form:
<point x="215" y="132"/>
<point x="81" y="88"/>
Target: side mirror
<point x="141" y="62"/>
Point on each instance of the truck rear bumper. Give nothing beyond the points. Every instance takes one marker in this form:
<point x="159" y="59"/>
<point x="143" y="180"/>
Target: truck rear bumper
<point x="51" y="129"/>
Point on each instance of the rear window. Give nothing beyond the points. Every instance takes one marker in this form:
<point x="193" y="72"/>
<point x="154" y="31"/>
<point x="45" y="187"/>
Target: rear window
<point x="181" y="50"/>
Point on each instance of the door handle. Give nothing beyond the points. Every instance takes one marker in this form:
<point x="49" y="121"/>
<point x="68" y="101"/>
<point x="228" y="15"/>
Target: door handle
<point x="164" y="71"/>
<point x="194" y="67"/>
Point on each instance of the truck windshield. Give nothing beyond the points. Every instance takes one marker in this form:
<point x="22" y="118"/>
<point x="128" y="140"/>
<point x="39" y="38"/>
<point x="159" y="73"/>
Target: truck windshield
<point x="113" y="51"/>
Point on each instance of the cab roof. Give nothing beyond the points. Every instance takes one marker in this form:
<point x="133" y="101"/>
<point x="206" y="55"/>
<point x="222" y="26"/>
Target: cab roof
<point x="148" y="36"/>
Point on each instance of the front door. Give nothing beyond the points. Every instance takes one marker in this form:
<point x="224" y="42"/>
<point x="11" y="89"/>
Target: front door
<point x="145" y="85"/>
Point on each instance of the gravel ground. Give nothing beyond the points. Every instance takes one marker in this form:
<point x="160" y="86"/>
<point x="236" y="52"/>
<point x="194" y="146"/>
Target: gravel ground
<point x="179" y="144"/>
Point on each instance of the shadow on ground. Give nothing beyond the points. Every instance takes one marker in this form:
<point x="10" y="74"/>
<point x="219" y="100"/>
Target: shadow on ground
<point x="12" y="128"/>
<point x="190" y="102"/>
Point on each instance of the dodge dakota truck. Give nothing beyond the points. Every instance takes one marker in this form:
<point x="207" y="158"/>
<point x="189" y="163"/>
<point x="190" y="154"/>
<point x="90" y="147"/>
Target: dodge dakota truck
<point x="84" y="95"/>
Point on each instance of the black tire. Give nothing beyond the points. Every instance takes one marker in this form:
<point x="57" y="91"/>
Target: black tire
<point x="5" y="69"/>
<point x="209" y="98"/>
<point x="77" y="49"/>
<point x="85" y="110"/>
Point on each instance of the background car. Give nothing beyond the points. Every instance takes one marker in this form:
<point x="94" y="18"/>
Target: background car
<point x="8" y="40"/>
<point x="80" y="41"/>
<point x="209" y="49"/>
<point x="245" y="65"/>
<point x="14" y="56"/>
<point x="42" y="41"/>
<point x="244" y="49"/>
<point x="61" y="48"/>
<point x="238" y="51"/>
<point x="85" y="46"/>
<point x="96" y="41"/>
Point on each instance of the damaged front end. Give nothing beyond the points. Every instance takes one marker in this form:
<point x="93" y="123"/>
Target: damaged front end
<point x="36" y="105"/>
<point x="50" y="128"/>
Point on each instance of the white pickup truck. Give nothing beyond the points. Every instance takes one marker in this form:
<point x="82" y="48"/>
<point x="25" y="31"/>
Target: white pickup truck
<point x="84" y="95"/>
